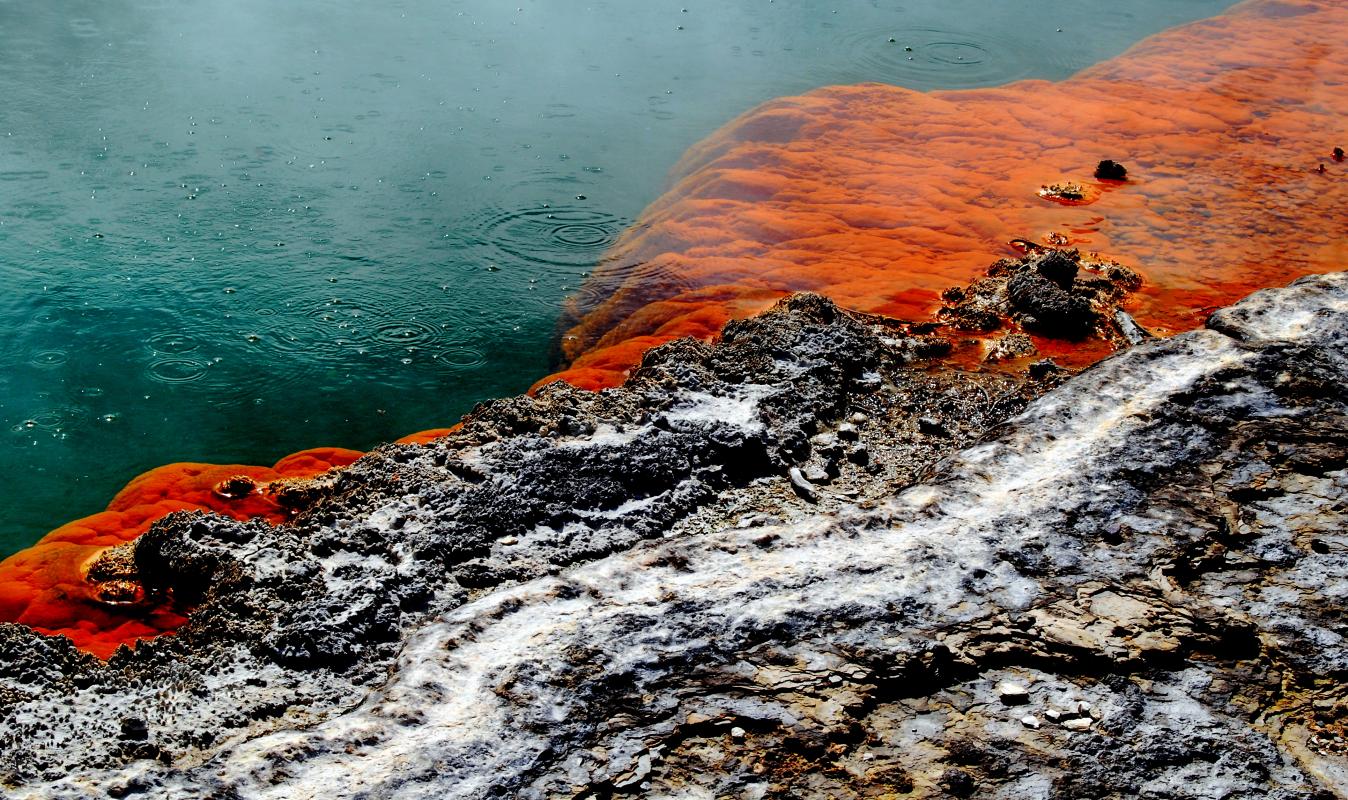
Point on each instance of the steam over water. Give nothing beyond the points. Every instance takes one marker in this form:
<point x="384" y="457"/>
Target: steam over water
<point x="231" y="231"/>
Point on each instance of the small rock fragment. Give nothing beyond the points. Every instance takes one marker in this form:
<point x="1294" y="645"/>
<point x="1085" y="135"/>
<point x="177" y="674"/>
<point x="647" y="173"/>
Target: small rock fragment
<point x="816" y="475"/>
<point x="637" y="774"/>
<point x="958" y="782"/>
<point x="1010" y="347"/>
<point x="1013" y="694"/>
<point x="737" y="733"/>
<point x="1077" y="724"/>
<point x="1042" y="369"/>
<point x="931" y="427"/>
<point x="1030" y="721"/>
<point x="1128" y="327"/>
<point x="234" y="488"/>
<point x="802" y="486"/>
<point x="135" y="729"/>
<point x="1108" y="170"/>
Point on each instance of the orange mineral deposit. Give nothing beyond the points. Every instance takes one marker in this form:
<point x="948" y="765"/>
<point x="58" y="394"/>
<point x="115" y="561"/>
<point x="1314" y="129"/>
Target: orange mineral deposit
<point x="881" y="197"/>
<point x="47" y="586"/>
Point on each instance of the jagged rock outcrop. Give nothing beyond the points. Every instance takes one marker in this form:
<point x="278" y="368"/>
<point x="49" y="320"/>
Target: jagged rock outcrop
<point x="804" y="562"/>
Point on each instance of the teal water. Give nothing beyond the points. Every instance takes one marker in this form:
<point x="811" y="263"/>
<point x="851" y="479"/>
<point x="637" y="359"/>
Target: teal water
<point x="229" y="231"/>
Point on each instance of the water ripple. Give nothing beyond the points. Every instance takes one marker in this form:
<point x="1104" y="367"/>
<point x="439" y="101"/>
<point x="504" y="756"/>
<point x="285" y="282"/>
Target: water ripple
<point x="568" y="237"/>
<point x="176" y="370"/>
<point x="926" y="57"/>
<point x="172" y="343"/>
<point x="49" y="358"/>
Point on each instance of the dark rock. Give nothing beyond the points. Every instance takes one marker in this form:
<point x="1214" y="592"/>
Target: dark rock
<point x="958" y="782"/>
<point x="1059" y="266"/>
<point x="1111" y="171"/>
<point x="1043" y="306"/>
<point x="580" y="594"/>
<point x="931" y="426"/>
<point x="1050" y="292"/>
<point x="135" y="729"/>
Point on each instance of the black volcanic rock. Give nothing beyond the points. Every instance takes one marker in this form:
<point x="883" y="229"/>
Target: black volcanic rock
<point x="1108" y="170"/>
<point x="1054" y="293"/>
<point x="753" y="571"/>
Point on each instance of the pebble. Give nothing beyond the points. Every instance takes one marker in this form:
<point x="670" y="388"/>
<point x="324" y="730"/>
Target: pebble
<point x="1030" y="721"/>
<point x="802" y="486"/>
<point x="737" y="732"/>
<point x="931" y="426"/>
<point x="1078" y="724"/>
<point x="1013" y="694"/>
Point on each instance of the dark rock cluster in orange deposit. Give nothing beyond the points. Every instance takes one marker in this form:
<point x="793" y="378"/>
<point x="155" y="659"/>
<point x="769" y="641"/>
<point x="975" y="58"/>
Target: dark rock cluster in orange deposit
<point x="880" y="197"/>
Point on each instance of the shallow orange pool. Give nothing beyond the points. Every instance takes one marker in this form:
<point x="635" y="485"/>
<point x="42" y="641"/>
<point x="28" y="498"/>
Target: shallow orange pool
<point x="880" y="197"/>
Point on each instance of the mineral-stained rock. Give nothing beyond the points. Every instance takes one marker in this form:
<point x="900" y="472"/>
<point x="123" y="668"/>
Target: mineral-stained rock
<point x="1052" y="293"/>
<point x="585" y="595"/>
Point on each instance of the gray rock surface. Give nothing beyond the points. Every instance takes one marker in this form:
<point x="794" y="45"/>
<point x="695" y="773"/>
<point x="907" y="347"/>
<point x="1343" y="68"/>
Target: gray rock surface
<point x="806" y="562"/>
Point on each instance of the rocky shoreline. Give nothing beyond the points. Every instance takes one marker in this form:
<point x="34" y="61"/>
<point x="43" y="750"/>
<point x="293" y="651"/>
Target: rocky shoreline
<point x="812" y="560"/>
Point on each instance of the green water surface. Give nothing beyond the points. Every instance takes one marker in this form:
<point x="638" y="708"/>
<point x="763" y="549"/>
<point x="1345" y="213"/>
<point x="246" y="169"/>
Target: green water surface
<point x="232" y="230"/>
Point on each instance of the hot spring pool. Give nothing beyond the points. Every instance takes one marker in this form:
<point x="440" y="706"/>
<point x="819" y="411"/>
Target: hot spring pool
<point x="228" y="232"/>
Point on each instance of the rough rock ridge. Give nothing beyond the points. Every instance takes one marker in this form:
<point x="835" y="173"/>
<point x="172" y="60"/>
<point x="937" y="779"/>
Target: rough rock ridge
<point x="805" y="562"/>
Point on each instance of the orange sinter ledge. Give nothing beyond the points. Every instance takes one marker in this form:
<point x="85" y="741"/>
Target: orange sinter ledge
<point x="880" y="198"/>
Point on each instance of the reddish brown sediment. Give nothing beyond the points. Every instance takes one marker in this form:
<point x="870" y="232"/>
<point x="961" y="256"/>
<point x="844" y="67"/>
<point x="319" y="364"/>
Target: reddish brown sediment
<point x="880" y="197"/>
<point x="427" y="436"/>
<point x="47" y="586"/>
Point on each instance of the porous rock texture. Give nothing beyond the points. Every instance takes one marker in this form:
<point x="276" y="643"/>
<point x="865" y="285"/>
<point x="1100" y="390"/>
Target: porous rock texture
<point x="808" y="561"/>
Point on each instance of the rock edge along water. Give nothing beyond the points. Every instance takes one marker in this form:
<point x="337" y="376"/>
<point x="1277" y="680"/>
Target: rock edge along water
<point x="879" y="197"/>
<point x="757" y="571"/>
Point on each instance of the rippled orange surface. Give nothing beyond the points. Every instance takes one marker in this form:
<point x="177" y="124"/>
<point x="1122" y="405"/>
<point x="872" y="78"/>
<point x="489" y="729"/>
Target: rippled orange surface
<point x="880" y="197"/>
